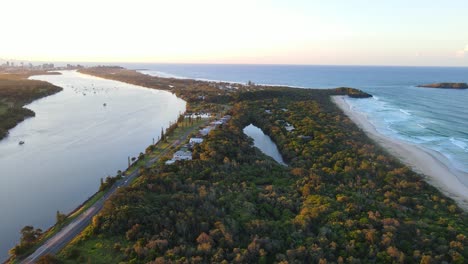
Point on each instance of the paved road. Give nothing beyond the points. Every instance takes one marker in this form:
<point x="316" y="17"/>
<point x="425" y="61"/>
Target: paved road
<point x="54" y="244"/>
<point x="59" y="240"/>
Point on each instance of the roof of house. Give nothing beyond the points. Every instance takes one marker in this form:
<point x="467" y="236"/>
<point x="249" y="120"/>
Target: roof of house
<point x="181" y="153"/>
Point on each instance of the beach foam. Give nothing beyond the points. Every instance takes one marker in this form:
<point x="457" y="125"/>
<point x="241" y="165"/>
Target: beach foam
<point x="437" y="168"/>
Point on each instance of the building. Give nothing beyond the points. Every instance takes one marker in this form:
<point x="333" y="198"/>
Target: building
<point x="205" y="131"/>
<point x="217" y="123"/>
<point x="289" y="127"/>
<point x="194" y="141"/>
<point x="225" y="118"/>
<point x="182" y="155"/>
<point x="305" y="138"/>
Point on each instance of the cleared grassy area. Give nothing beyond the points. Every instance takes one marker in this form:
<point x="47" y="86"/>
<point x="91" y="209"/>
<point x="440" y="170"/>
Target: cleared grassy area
<point x="163" y="147"/>
<point x="97" y="251"/>
<point x="87" y="204"/>
<point x="3" y="108"/>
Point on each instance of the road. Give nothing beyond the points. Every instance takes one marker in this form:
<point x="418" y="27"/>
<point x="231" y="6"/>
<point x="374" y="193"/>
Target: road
<point x="58" y="241"/>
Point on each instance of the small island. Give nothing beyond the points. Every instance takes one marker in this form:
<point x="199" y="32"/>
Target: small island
<point x="445" y="85"/>
<point x="354" y="93"/>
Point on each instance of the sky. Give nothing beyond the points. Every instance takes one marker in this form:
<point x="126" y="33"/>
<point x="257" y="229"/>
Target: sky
<point x="332" y="32"/>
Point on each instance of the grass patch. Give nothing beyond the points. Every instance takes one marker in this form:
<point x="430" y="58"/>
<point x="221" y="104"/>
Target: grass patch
<point x="98" y="250"/>
<point x="161" y="147"/>
<point x="3" y="108"/>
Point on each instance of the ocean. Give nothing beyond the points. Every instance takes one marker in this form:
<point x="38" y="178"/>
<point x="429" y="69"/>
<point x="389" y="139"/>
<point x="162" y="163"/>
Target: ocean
<point x="435" y="119"/>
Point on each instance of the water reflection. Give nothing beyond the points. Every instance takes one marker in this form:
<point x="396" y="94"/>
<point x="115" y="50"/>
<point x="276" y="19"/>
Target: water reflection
<point x="264" y="143"/>
<point x="71" y="143"/>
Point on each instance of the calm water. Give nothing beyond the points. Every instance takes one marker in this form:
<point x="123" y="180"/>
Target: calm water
<point x="431" y="118"/>
<point x="264" y="143"/>
<point x="71" y="143"/>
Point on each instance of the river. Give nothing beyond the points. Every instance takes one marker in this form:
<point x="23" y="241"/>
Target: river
<point x="78" y="136"/>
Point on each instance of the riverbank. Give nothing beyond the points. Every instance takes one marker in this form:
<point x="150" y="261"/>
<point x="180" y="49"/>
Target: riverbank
<point x="79" y="219"/>
<point x="73" y="126"/>
<point x="16" y="91"/>
<point x="429" y="163"/>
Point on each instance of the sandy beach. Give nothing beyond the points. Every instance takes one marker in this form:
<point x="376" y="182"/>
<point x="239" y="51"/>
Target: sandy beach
<point x="431" y="164"/>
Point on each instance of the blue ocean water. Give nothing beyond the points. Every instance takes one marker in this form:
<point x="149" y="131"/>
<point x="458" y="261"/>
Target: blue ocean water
<point x="436" y="119"/>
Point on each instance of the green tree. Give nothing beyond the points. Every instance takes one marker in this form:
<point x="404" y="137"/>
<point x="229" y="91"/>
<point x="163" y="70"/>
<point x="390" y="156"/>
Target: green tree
<point x="60" y="217"/>
<point x="48" y="259"/>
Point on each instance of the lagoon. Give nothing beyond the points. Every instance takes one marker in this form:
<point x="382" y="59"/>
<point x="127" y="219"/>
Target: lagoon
<point x="264" y="143"/>
<point x="82" y="134"/>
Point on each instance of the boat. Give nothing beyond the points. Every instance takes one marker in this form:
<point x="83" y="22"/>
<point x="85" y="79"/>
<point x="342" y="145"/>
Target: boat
<point x="21" y="142"/>
<point x="104" y="104"/>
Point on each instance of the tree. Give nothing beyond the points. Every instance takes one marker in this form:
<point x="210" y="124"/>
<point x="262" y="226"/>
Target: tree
<point x="162" y="138"/>
<point x="60" y="217"/>
<point x="29" y="235"/>
<point x="48" y="259"/>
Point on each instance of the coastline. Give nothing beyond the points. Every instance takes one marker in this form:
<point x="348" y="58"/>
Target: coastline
<point x="427" y="218"/>
<point x="170" y="76"/>
<point x="429" y="163"/>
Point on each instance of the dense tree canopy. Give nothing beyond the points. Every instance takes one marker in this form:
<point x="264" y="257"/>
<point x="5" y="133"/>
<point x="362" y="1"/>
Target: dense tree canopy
<point x="15" y="92"/>
<point x="342" y="199"/>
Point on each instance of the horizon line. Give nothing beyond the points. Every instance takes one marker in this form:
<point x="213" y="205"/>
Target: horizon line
<point x="220" y="63"/>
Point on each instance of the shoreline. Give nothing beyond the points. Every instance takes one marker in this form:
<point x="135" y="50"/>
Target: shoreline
<point x="431" y="164"/>
<point x="170" y="76"/>
<point x="88" y="203"/>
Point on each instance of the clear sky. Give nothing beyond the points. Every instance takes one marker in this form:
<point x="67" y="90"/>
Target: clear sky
<point x="356" y="32"/>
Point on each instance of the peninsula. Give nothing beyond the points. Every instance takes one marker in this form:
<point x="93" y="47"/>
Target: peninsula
<point x="445" y="85"/>
<point x="16" y="91"/>
<point x="342" y="198"/>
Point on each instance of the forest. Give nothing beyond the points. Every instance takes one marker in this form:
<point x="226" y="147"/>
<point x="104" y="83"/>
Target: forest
<point x="15" y="92"/>
<point x="341" y="199"/>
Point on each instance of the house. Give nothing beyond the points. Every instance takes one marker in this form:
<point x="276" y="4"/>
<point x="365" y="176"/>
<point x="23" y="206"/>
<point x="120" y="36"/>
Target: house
<point x="169" y="162"/>
<point x="268" y="111"/>
<point x="217" y="123"/>
<point x="289" y="127"/>
<point x="194" y="141"/>
<point x="182" y="155"/>
<point x="305" y="138"/>
<point x="205" y="131"/>
<point x="225" y="118"/>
